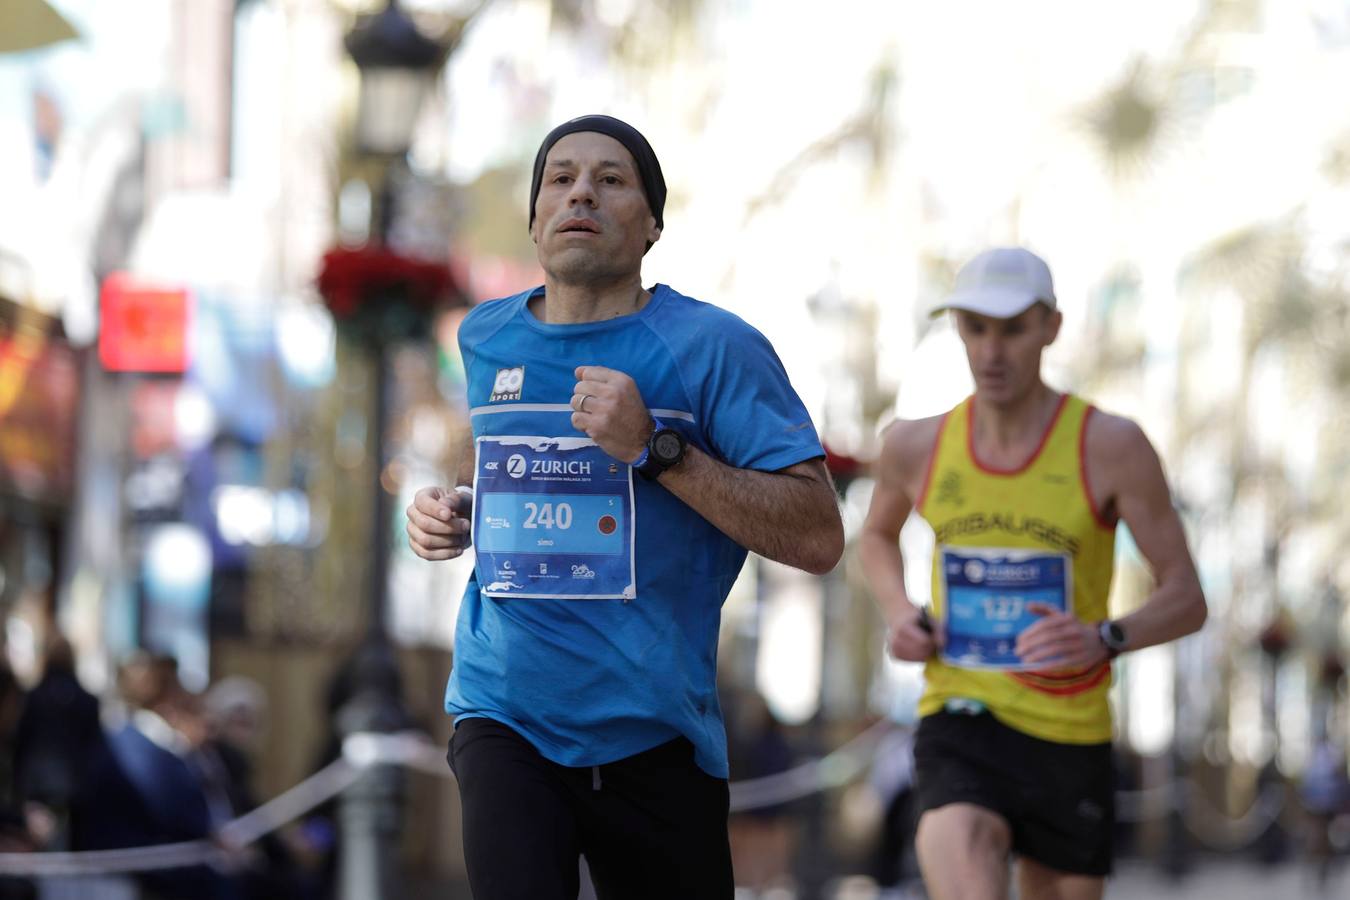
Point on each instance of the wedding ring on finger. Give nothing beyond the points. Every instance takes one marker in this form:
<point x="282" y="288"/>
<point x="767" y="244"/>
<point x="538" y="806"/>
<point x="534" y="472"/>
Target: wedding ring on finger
<point x="581" y="407"/>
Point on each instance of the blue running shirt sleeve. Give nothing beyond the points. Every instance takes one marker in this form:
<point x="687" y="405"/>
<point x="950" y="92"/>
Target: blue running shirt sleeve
<point x="750" y="412"/>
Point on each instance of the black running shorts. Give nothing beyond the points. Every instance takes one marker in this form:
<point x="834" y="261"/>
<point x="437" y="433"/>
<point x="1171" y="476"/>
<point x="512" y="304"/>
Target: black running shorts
<point x="652" y="825"/>
<point x="1059" y="799"/>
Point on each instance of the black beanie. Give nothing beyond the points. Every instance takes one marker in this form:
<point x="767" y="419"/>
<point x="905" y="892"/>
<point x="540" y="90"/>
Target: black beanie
<point x="649" y="170"/>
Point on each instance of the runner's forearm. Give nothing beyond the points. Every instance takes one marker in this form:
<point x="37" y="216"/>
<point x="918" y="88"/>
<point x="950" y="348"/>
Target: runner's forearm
<point x="790" y="517"/>
<point x="1175" y="609"/>
<point x="884" y="569"/>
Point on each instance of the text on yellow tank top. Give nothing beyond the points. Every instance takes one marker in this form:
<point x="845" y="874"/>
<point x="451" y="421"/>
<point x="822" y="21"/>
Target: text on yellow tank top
<point x="1044" y="505"/>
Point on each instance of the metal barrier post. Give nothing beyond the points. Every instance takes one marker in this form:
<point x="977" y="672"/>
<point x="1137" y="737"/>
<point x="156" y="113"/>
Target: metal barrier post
<point x="370" y="810"/>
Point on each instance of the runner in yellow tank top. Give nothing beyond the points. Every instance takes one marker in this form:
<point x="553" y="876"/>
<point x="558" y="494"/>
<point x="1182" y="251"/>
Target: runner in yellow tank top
<point x="1040" y="506"/>
<point x="1023" y="487"/>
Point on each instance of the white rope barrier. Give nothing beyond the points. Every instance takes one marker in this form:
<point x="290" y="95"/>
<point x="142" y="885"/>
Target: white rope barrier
<point x="832" y="770"/>
<point x="110" y="862"/>
<point x="1220" y="832"/>
<point x="359" y="753"/>
<point x="1212" y="828"/>
<point x="362" y="751"/>
<point x="314" y="791"/>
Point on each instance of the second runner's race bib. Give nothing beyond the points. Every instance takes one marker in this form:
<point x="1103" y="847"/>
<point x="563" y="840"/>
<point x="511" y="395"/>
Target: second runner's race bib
<point x="553" y="519"/>
<point x="987" y="591"/>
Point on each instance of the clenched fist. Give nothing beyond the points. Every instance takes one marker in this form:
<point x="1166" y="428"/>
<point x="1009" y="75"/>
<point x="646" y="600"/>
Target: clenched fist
<point x="609" y="409"/>
<point x="1059" y="641"/>
<point x="913" y="636"/>
<point x="438" y="522"/>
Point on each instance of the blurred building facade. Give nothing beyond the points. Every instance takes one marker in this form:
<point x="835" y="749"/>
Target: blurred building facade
<point x="183" y="164"/>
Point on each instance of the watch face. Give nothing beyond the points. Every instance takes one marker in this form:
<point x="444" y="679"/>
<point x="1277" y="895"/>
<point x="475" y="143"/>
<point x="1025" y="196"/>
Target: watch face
<point x="667" y="446"/>
<point x="1113" y="635"/>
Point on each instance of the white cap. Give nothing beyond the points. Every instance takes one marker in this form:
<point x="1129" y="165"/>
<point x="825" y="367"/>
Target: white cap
<point x="1001" y="283"/>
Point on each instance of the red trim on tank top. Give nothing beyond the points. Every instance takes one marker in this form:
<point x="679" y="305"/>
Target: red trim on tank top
<point x="1063" y="690"/>
<point x="1083" y="473"/>
<point x="1045" y="438"/>
<point x="1071" y="675"/>
<point x="932" y="463"/>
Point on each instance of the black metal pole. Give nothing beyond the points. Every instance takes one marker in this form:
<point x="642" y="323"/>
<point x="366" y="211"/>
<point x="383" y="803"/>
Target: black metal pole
<point x="372" y="808"/>
<point x="379" y="564"/>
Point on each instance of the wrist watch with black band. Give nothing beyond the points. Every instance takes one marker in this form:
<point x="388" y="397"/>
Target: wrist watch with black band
<point x="664" y="450"/>
<point x="1112" y="636"/>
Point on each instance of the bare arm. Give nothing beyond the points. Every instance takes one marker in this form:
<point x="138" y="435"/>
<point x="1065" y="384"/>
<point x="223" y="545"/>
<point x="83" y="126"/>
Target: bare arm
<point x="1177" y="606"/>
<point x="1126" y="470"/>
<point x="790" y="516"/>
<point x="904" y="452"/>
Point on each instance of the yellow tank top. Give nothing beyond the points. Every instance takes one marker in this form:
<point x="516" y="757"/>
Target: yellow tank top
<point x="1044" y="506"/>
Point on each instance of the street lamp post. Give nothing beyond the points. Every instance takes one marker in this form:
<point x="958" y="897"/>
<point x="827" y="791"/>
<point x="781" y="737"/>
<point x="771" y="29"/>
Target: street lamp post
<point x="397" y="64"/>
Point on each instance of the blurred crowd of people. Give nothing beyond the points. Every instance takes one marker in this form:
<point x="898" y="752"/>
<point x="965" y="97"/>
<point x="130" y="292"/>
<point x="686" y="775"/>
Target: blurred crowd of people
<point x="156" y="764"/>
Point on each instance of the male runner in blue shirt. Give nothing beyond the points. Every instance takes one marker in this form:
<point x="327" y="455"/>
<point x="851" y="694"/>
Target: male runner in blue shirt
<point x="631" y="444"/>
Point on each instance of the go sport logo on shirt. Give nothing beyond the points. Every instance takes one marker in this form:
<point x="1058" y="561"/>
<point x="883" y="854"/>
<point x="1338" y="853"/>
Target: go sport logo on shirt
<point x="508" y="384"/>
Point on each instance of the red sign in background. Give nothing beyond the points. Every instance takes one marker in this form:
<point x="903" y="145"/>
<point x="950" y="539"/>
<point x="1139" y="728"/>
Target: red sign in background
<point x="142" y="327"/>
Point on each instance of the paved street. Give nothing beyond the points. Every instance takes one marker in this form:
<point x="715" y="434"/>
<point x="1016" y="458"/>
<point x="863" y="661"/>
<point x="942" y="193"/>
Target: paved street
<point x="1228" y="880"/>
<point x="1211" y="879"/>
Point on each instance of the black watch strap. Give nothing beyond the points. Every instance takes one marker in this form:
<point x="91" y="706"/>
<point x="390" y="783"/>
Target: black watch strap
<point x="665" y="449"/>
<point x="1112" y="637"/>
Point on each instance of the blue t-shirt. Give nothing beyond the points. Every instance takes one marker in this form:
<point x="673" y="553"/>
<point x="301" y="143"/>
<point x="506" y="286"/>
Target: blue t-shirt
<point x="591" y="681"/>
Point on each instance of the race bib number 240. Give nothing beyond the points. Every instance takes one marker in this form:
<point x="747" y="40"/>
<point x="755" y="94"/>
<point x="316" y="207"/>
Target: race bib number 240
<point x="553" y="519"/>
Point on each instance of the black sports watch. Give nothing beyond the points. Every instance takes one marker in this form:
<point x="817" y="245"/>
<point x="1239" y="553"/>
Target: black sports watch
<point x="664" y="450"/>
<point x="1112" y="637"/>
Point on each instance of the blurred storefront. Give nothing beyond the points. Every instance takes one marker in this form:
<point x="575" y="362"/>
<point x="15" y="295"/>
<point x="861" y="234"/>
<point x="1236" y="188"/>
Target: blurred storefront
<point x="39" y="406"/>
